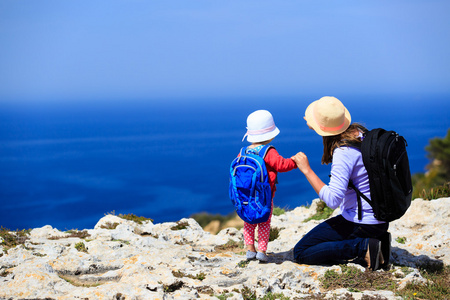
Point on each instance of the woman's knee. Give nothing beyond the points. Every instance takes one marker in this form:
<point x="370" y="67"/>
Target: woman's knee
<point x="298" y="251"/>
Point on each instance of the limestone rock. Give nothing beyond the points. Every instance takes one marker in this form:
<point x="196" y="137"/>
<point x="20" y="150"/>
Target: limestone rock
<point x="121" y="259"/>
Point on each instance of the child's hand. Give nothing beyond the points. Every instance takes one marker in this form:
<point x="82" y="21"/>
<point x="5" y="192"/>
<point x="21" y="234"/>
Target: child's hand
<point x="302" y="162"/>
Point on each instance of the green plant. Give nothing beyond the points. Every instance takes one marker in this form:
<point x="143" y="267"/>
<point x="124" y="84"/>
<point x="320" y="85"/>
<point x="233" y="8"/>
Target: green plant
<point x="72" y="233"/>
<point x="406" y="270"/>
<point x="179" y="274"/>
<point x="77" y="233"/>
<point x="109" y="225"/>
<point x="436" y="287"/>
<point x="278" y="211"/>
<point x="11" y="239"/>
<point x="356" y="280"/>
<point x="130" y="217"/>
<point x="436" y="192"/>
<point x="180" y="225"/>
<point x="243" y="263"/>
<point x="248" y="294"/>
<point x="435" y="183"/>
<point x="271" y="296"/>
<point x="200" y="276"/>
<point x="134" y="218"/>
<point x="401" y="240"/>
<point x="173" y="287"/>
<point x="274" y="233"/>
<point x="322" y="212"/>
<point x="225" y="296"/>
<point x="81" y="247"/>
<point x="231" y="245"/>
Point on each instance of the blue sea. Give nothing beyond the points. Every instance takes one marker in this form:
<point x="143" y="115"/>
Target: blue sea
<point x="67" y="165"/>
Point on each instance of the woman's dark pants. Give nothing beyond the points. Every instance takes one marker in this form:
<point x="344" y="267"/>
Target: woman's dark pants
<point x="336" y="241"/>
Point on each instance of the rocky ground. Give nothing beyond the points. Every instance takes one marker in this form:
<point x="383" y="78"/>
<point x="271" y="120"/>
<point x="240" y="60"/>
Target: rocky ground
<point x="121" y="259"/>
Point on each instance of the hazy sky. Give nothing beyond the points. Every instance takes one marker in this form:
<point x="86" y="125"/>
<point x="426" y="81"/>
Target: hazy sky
<point x="108" y="49"/>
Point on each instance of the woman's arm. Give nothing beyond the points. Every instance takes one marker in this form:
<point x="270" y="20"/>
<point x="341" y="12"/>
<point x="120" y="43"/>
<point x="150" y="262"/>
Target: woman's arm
<point x="303" y="164"/>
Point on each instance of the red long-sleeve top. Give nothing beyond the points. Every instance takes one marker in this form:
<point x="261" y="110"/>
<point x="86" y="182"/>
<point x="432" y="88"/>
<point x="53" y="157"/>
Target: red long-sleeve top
<point x="276" y="163"/>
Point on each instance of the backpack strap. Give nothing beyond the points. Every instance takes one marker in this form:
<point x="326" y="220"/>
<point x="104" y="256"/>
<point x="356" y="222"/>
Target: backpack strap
<point x="358" y="197"/>
<point x="242" y="152"/>
<point x="264" y="150"/>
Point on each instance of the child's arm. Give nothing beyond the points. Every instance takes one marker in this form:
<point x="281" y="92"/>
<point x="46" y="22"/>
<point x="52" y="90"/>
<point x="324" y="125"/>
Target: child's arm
<point x="303" y="164"/>
<point x="278" y="162"/>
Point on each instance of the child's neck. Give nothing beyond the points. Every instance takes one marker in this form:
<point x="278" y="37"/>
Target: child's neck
<point x="254" y="145"/>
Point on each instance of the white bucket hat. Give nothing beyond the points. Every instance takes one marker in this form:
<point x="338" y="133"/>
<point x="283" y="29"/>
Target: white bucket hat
<point x="260" y="127"/>
<point x="328" y="116"/>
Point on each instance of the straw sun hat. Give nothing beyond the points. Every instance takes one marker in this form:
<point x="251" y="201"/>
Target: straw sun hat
<point x="328" y="116"/>
<point x="260" y="127"/>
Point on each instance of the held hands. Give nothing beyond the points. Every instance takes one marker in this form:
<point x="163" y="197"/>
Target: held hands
<point x="302" y="162"/>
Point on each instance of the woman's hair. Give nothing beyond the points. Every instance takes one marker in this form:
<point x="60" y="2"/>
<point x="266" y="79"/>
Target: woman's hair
<point x="348" y="137"/>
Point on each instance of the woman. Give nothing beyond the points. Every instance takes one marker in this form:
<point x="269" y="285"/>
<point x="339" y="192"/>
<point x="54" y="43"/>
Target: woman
<point x="344" y="237"/>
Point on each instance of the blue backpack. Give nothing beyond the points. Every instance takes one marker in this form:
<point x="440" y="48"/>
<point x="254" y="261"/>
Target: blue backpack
<point x="249" y="188"/>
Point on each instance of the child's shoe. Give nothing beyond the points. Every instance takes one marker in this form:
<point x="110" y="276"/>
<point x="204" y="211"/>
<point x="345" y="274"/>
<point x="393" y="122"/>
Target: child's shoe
<point x="251" y="255"/>
<point x="262" y="257"/>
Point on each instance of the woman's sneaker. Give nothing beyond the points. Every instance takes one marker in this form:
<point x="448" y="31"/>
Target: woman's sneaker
<point x="373" y="254"/>
<point x="262" y="257"/>
<point x="251" y="255"/>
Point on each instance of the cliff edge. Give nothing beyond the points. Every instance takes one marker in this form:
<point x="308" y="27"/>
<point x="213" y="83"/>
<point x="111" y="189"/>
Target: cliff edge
<point x="122" y="259"/>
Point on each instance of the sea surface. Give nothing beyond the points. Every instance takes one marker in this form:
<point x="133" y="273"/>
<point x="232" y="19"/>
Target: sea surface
<point x="67" y="165"/>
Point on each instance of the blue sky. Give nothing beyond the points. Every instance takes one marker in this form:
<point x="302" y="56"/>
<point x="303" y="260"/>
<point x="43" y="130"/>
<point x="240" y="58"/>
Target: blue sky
<point x="122" y="50"/>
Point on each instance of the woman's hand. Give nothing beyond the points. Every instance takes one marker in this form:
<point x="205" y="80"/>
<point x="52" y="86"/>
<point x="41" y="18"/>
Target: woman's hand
<point x="302" y="162"/>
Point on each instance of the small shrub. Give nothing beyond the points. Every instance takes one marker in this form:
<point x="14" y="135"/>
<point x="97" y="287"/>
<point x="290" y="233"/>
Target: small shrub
<point x="77" y="233"/>
<point x="278" y="211"/>
<point x="180" y="225"/>
<point x="179" y="274"/>
<point x="131" y="217"/>
<point x="243" y="263"/>
<point x="134" y="218"/>
<point x="271" y="296"/>
<point x="205" y="290"/>
<point x="12" y="239"/>
<point x="274" y="233"/>
<point x="3" y="273"/>
<point x="81" y="247"/>
<point x="225" y="296"/>
<point x="323" y="212"/>
<point x="437" y="286"/>
<point x="248" y="294"/>
<point x="109" y="225"/>
<point x="401" y="240"/>
<point x="72" y="233"/>
<point x="436" y="192"/>
<point x="231" y="245"/>
<point x="355" y="280"/>
<point x="173" y="287"/>
<point x="200" y="276"/>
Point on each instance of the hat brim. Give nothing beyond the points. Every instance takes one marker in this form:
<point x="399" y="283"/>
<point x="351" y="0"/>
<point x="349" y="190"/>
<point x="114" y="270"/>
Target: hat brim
<point x="263" y="137"/>
<point x="309" y="117"/>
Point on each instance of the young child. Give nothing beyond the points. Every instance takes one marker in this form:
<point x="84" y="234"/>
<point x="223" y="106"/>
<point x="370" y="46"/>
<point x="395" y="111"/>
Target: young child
<point x="261" y="130"/>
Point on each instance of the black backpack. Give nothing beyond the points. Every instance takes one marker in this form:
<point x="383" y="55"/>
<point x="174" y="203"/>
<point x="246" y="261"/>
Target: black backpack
<point x="386" y="161"/>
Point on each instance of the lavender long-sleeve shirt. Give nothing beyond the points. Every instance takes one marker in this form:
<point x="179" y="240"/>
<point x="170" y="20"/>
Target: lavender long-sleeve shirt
<point x="347" y="164"/>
